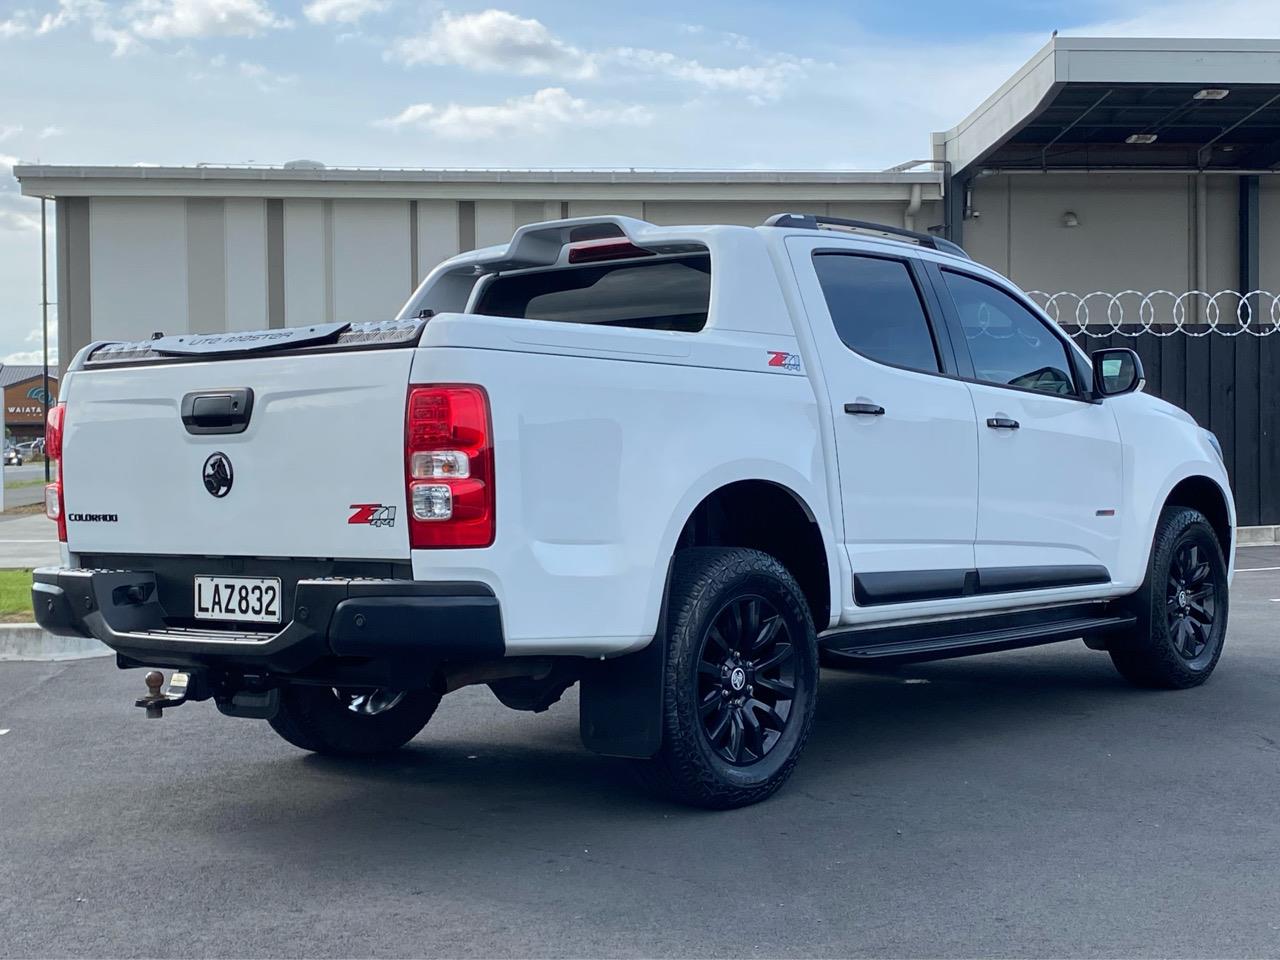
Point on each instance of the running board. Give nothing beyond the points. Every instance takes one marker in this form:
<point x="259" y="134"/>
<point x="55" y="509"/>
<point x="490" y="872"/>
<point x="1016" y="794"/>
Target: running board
<point x="940" y="639"/>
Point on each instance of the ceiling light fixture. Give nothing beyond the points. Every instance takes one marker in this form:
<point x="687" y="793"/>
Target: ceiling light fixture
<point x="1140" y="138"/>
<point x="1211" y="93"/>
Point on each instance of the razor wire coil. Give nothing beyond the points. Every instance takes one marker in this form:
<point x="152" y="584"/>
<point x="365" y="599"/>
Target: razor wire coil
<point x="1162" y="313"/>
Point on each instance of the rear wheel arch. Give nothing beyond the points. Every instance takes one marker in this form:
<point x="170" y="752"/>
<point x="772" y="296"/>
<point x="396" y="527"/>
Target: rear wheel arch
<point x="771" y="517"/>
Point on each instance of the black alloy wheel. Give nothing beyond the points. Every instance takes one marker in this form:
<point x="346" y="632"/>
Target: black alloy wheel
<point x="1190" y="601"/>
<point x="740" y="678"/>
<point x="1180" y="611"/>
<point x="746" y="679"/>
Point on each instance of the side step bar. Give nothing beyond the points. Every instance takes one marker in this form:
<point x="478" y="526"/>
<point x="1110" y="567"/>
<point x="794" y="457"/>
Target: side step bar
<point x="940" y="639"/>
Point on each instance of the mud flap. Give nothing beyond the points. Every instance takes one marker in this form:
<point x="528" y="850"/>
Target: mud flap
<point x="620" y="700"/>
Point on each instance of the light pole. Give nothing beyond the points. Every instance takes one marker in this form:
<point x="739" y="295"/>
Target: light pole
<point x="44" y="313"/>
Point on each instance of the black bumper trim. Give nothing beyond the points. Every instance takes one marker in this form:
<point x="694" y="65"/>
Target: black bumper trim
<point x="402" y="620"/>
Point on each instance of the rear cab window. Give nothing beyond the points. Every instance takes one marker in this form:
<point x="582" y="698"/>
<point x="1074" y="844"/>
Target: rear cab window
<point x="877" y="310"/>
<point x="656" y="293"/>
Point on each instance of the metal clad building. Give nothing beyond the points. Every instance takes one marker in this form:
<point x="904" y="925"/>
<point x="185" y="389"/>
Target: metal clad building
<point x="143" y="249"/>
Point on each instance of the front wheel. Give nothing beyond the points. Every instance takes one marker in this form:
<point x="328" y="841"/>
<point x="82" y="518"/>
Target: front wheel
<point x="1181" y="608"/>
<point x="740" y="681"/>
<point x="351" y="722"/>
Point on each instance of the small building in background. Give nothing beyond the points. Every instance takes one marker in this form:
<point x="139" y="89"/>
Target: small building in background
<point x="24" y="399"/>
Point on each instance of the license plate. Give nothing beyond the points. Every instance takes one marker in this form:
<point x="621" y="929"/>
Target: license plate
<point x="252" y="599"/>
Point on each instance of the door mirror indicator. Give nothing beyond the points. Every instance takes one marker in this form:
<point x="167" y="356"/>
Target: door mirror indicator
<point x="1116" y="370"/>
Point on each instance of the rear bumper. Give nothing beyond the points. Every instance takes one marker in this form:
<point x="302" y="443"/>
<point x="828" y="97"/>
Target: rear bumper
<point x="379" y="620"/>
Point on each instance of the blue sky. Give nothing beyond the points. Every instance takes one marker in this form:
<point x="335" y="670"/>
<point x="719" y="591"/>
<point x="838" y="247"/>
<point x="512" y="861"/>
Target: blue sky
<point x="801" y="84"/>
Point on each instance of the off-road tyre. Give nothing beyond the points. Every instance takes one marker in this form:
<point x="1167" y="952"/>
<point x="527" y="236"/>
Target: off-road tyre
<point x="318" y="719"/>
<point x="1181" y="608"/>
<point x="701" y="687"/>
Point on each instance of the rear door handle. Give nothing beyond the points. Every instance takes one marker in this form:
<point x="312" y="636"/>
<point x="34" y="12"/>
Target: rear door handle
<point x="864" y="409"/>
<point x="1002" y="423"/>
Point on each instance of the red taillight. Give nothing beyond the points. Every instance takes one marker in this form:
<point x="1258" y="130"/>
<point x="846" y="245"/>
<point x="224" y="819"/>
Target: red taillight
<point x="607" y="248"/>
<point x="448" y="466"/>
<point x="53" y="431"/>
<point x="54" y="505"/>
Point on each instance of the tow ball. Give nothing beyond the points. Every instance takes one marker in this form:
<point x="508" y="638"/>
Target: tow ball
<point x="159" y="699"/>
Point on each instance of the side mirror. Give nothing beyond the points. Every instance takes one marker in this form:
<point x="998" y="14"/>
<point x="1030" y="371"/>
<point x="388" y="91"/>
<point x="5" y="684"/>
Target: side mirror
<point x="1116" y="370"/>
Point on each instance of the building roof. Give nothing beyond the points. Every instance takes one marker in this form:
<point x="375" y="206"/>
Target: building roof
<point x="1078" y="101"/>
<point x="628" y="183"/>
<point x="12" y="373"/>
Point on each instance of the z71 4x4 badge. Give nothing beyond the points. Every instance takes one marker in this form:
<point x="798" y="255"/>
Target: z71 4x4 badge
<point x="373" y="514"/>
<point x="787" y="361"/>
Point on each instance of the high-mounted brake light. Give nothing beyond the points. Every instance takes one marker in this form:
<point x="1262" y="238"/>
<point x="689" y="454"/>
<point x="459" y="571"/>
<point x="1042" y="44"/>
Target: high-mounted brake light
<point x="54" y="505"/>
<point x="607" y="248"/>
<point x="448" y="464"/>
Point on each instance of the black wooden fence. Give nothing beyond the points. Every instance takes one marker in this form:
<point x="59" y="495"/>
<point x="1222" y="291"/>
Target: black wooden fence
<point x="1229" y="380"/>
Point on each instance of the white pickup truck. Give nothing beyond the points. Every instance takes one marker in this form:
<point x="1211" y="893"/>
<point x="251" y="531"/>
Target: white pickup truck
<point x="679" y="466"/>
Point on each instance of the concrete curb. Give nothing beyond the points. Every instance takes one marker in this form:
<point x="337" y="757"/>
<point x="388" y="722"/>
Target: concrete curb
<point x="1257" y="536"/>
<point x="28" y="641"/>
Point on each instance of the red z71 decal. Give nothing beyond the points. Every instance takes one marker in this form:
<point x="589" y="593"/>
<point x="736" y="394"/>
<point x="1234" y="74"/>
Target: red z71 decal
<point x="373" y="514"/>
<point x="780" y="358"/>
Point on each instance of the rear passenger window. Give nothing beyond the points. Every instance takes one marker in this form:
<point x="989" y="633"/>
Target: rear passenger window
<point x="876" y="309"/>
<point x="667" y="294"/>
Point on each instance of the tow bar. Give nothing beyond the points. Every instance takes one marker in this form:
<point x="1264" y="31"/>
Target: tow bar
<point x="156" y="701"/>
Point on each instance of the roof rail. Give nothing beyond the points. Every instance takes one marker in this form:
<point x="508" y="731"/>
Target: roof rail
<point x="808" y="221"/>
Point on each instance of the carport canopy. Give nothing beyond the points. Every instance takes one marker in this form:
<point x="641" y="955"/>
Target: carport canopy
<point x="1128" y="104"/>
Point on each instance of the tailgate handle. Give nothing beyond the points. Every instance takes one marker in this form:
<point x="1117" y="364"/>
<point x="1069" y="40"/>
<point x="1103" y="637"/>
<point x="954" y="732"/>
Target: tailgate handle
<point x="217" y="411"/>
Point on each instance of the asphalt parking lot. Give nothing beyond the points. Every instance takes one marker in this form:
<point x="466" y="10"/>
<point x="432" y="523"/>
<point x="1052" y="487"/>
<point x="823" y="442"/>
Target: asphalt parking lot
<point x="1025" y="803"/>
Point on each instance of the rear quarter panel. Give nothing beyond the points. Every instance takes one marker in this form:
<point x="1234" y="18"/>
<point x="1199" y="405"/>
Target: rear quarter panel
<point x="600" y="459"/>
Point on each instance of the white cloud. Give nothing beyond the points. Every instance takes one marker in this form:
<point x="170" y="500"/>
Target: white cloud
<point x="18" y="220"/>
<point x="10" y="130"/>
<point x="178" y="19"/>
<point x="15" y="210"/>
<point x="495" y="41"/>
<point x="765" y="81"/>
<point x="50" y="131"/>
<point x="16" y="25"/>
<point x="96" y="13"/>
<point x="342" y="11"/>
<point x="69" y="11"/>
<point x="266" y="80"/>
<point x="122" y="41"/>
<point x="35" y="355"/>
<point x="542" y="112"/>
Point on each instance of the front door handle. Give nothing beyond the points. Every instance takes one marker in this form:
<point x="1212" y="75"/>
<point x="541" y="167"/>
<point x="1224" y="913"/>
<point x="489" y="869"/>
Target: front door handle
<point x="1002" y="423"/>
<point x="864" y="409"/>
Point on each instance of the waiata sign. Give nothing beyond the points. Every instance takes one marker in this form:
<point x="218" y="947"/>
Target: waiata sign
<point x="24" y="401"/>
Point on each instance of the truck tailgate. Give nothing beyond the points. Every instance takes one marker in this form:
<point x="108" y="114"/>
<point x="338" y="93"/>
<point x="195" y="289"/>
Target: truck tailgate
<point x="317" y="472"/>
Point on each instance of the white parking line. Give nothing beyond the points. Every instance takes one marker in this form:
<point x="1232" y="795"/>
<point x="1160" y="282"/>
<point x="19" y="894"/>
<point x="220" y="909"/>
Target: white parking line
<point x="1255" y="569"/>
<point x="3" y="732"/>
